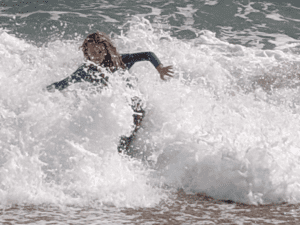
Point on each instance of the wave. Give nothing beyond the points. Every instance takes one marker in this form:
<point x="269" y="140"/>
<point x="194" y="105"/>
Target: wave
<point x="225" y="125"/>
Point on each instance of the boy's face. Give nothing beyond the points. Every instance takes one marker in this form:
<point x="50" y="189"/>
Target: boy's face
<point x="96" y="52"/>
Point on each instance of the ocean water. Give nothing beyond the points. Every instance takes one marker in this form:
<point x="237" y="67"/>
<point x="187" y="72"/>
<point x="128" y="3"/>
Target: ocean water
<point x="220" y="141"/>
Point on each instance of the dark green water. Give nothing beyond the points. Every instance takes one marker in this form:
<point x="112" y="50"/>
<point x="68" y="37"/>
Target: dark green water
<point x="263" y="24"/>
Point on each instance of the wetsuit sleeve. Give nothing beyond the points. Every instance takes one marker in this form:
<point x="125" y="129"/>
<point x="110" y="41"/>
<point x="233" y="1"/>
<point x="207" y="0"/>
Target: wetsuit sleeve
<point x="78" y="76"/>
<point x="130" y="59"/>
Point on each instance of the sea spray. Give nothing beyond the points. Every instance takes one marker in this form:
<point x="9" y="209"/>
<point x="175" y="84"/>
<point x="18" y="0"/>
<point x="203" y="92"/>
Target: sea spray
<point x="217" y="127"/>
<point x="61" y="148"/>
<point x="220" y="126"/>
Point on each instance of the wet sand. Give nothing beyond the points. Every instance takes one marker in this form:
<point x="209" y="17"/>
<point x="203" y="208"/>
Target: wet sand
<point x="183" y="209"/>
<point x="201" y="209"/>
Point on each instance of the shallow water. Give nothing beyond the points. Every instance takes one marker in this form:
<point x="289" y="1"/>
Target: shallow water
<point x="184" y="209"/>
<point x="226" y="126"/>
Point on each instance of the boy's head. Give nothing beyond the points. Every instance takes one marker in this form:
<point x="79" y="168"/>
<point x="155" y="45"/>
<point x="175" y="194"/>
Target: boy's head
<point x="98" y="48"/>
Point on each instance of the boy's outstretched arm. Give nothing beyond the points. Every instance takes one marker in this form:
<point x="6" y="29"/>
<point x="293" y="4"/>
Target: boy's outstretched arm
<point x="130" y="59"/>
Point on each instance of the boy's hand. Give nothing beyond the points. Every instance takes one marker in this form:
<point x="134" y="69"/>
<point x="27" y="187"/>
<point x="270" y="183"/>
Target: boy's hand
<point x="164" y="71"/>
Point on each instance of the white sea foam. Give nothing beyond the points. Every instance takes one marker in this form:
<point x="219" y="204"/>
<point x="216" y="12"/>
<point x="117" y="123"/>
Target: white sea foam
<point x="227" y="124"/>
<point x="61" y="147"/>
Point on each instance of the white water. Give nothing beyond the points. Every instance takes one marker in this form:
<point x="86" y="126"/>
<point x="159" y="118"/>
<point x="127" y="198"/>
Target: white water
<point x="218" y="126"/>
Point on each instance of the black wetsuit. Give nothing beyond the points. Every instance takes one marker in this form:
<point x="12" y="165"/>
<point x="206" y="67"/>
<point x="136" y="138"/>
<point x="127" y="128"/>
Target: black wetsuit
<point x="91" y="74"/>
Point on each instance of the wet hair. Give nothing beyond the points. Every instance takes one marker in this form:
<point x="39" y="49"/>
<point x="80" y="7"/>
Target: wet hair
<point x="113" y="59"/>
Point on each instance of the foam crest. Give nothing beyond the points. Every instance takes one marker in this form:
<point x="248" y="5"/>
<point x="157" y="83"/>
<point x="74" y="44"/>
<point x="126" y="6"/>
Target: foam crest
<point x="227" y="124"/>
<point x="225" y="148"/>
<point x="61" y="147"/>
